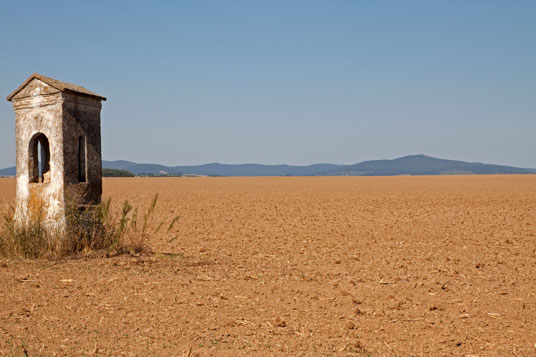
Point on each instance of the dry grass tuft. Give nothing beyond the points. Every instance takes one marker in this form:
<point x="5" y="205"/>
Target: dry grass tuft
<point x="89" y="230"/>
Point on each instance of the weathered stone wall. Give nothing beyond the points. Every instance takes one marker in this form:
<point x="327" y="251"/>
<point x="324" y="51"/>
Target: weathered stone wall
<point x="67" y="123"/>
<point x="81" y="121"/>
<point x="38" y="109"/>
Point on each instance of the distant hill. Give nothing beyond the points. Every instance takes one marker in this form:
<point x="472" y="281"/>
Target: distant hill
<point x="407" y="165"/>
<point x="423" y="165"/>
<point x="216" y="169"/>
<point x="9" y="171"/>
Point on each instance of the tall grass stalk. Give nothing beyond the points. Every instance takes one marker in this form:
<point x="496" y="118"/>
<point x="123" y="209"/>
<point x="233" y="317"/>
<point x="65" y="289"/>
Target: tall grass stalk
<point x="88" y="230"/>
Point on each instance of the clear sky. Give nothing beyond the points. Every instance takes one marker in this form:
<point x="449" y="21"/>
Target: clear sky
<point x="296" y="82"/>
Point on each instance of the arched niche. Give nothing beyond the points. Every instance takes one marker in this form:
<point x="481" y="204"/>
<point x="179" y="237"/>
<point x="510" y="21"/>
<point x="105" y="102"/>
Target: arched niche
<point x="39" y="153"/>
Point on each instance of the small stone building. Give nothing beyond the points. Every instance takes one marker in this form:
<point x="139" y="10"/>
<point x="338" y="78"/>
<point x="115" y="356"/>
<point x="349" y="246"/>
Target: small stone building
<point x="58" y="142"/>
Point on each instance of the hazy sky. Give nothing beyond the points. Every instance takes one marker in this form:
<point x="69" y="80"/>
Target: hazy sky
<point x="297" y="82"/>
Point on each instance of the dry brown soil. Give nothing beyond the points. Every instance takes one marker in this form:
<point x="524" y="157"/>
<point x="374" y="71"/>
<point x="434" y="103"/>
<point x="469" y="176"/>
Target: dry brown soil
<point x="384" y="266"/>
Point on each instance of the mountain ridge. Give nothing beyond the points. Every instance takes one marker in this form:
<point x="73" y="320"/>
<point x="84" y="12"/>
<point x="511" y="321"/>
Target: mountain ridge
<point x="424" y="165"/>
<point x="406" y="165"/>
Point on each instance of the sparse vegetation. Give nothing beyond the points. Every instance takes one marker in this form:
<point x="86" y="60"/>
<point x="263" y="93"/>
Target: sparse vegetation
<point x="93" y="229"/>
<point x="116" y="173"/>
<point x="161" y="174"/>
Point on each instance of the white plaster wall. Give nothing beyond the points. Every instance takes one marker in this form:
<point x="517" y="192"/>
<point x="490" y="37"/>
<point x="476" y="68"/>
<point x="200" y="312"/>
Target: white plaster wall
<point x="36" y="113"/>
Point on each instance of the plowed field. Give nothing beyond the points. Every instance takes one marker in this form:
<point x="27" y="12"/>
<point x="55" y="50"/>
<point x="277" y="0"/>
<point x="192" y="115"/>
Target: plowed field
<point x="376" y="266"/>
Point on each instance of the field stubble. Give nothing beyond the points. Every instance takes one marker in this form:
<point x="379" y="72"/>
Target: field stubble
<point x="294" y="266"/>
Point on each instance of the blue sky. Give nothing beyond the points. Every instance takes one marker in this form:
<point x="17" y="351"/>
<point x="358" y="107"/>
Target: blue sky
<point x="297" y="82"/>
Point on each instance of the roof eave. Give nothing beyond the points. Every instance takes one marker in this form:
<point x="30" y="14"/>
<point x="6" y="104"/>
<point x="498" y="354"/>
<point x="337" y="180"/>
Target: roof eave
<point x="85" y="94"/>
<point x="24" y="84"/>
<point x="44" y="79"/>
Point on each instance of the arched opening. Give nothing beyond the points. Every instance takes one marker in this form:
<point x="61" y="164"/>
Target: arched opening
<point x="39" y="159"/>
<point x="82" y="167"/>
